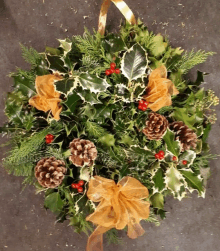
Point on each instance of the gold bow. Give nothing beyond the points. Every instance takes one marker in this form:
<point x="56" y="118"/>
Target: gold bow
<point x="120" y="205"/>
<point x="159" y="89"/>
<point x="47" y="97"/>
<point x="122" y="6"/>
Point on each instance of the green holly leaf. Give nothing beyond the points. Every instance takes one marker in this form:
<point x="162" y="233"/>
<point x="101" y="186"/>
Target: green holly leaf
<point x="206" y="132"/>
<point x="107" y="139"/>
<point x="114" y="44"/>
<point x="72" y="101"/>
<point x="172" y="145"/>
<point x="24" y="85"/>
<point x="54" y="202"/>
<point x="93" y="83"/>
<point x="193" y="181"/>
<point x="158" y="179"/>
<point x="65" y="86"/>
<point x="134" y="62"/>
<point x="66" y="45"/>
<point x="157" y="200"/>
<point x="181" y="114"/>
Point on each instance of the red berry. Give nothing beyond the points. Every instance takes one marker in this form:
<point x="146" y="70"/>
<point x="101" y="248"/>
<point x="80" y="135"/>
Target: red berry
<point x="184" y="162"/>
<point x="144" y="105"/>
<point x="161" y="156"/>
<point x="49" y="136"/>
<point x="161" y="153"/>
<point x="113" y="65"/>
<point x="77" y="186"/>
<point x="107" y="72"/>
<point x="81" y="182"/>
<point x="112" y="71"/>
<point x="117" y="71"/>
<point x="157" y="156"/>
<point x="73" y="185"/>
<point x="48" y="141"/>
<point x="80" y="190"/>
<point x="174" y="158"/>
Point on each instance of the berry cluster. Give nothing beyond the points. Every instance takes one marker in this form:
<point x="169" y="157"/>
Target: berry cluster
<point x="142" y="105"/>
<point x="112" y="70"/>
<point x="184" y="162"/>
<point x="49" y="138"/>
<point x="78" y="186"/>
<point x="159" y="155"/>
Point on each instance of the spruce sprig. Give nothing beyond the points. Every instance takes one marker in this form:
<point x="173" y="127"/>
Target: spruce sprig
<point x="30" y="55"/>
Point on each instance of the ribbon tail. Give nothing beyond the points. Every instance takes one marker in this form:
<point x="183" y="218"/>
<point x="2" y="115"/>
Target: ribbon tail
<point x="95" y="241"/>
<point x="135" y="230"/>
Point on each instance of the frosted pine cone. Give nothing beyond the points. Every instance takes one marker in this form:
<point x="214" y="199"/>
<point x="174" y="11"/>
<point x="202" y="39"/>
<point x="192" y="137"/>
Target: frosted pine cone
<point x="83" y="152"/>
<point x="50" y="172"/>
<point x="156" y="126"/>
<point x="184" y="134"/>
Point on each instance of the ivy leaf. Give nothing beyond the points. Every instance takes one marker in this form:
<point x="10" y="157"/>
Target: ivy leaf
<point x="181" y="114"/>
<point x="54" y="202"/>
<point x="93" y="83"/>
<point x="24" y="85"/>
<point x="134" y="62"/>
<point x="158" y="180"/>
<point x="189" y="156"/>
<point x="193" y="181"/>
<point x="158" y="46"/>
<point x="172" y="145"/>
<point x="157" y="200"/>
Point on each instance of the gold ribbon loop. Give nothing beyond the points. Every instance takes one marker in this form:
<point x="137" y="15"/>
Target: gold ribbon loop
<point x="122" y="6"/>
<point x="120" y="205"/>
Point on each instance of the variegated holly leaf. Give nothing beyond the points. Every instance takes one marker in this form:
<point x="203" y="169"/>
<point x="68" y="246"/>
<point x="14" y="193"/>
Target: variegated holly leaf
<point x="66" y="86"/>
<point x="88" y="97"/>
<point x="134" y="62"/>
<point x="85" y="173"/>
<point x="173" y="180"/>
<point x="194" y="182"/>
<point x="189" y="156"/>
<point x="66" y="45"/>
<point x="93" y="83"/>
<point x="172" y="145"/>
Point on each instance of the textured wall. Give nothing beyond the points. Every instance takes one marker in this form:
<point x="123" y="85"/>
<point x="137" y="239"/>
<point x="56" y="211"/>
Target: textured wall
<point x="191" y="225"/>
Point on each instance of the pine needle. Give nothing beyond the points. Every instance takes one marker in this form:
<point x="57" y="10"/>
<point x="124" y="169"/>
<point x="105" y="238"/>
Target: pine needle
<point x="30" y="55"/>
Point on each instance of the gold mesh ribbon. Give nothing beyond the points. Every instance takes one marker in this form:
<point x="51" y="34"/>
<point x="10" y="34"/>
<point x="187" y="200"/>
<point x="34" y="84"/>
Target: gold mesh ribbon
<point x="159" y="89"/>
<point x="47" y="97"/>
<point x="120" y="205"/>
<point x="122" y="6"/>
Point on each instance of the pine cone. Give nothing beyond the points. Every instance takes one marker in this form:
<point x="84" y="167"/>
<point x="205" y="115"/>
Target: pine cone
<point x="184" y="134"/>
<point x="83" y="152"/>
<point x="50" y="172"/>
<point x="156" y="126"/>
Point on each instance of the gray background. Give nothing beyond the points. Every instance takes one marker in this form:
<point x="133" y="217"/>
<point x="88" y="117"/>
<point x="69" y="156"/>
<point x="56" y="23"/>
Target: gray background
<point x="191" y="225"/>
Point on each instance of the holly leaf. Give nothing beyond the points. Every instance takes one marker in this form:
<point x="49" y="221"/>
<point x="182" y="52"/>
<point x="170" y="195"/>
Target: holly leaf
<point x="93" y="83"/>
<point x="72" y="101"/>
<point x="65" y="45"/>
<point x="193" y="181"/>
<point x="206" y="132"/>
<point x="189" y="156"/>
<point x="107" y="139"/>
<point x="24" y="85"/>
<point x="158" y="180"/>
<point x="157" y="200"/>
<point x="89" y="97"/>
<point x="134" y="62"/>
<point x="173" y="145"/>
<point x="114" y="44"/>
<point x="56" y="64"/>
<point x="181" y="114"/>
<point x="157" y="46"/>
<point x="65" y="86"/>
<point x="173" y="179"/>
<point x="54" y="202"/>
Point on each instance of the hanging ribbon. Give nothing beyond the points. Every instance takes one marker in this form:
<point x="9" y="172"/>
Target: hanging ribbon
<point x="122" y="6"/>
<point x="120" y="205"/>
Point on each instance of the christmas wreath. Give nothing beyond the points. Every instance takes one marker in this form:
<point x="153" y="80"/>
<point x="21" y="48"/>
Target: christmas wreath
<point x="107" y="126"/>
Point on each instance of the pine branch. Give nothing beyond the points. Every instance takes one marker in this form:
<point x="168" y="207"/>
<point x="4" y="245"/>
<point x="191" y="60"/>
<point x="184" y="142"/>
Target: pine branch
<point x="112" y="237"/>
<point x="94" y="129"/>
<point x="30" y="55"/>
<point x="153" y="219"/>
<point x="191" y="59"/>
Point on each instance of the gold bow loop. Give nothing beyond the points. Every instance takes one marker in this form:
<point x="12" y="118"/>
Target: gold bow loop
<point x="122" y="6"/>
<point x="159" y="89"/>
<point x="120" y="205"/>
<point x="47" y="97"/>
